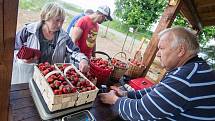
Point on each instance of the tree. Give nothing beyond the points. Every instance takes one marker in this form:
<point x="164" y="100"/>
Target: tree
<point x="143" y="13"/>
<point x="139" y="13"/>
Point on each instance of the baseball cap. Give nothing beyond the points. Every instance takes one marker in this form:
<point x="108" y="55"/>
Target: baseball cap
<point x="106" y="11"/>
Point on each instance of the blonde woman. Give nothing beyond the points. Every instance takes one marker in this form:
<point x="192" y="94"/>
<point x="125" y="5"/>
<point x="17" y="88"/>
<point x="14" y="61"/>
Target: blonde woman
<point x="47" y="36"/>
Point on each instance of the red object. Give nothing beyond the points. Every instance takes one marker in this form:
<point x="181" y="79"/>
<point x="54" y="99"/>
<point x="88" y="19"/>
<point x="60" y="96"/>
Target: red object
<point x="27" y="53"/>
<point x="101" y="74"/>
<point x="87" y="41"/>
<point x="140" y="83"/>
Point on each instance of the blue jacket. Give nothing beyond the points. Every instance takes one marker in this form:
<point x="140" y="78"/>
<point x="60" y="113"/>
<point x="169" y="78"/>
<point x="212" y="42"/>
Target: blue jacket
<point x="73" y="21"/>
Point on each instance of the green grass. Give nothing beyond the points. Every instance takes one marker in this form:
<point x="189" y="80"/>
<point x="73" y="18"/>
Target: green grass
<point x="33" y="5"/>
<point x="36" y="5"/>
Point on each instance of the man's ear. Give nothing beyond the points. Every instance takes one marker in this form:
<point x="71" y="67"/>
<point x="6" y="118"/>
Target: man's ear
<point x="182" y="50"/>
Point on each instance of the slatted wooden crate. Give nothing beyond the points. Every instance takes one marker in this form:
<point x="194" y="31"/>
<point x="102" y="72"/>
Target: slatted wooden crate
<point x="54" y="102"/>
<point x="83" y="97"/>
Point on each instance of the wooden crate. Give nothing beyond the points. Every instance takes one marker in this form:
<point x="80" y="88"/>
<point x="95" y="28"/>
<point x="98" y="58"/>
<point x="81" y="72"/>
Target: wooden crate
<point x="54" y="102"/>
<point x="83" y="97"/>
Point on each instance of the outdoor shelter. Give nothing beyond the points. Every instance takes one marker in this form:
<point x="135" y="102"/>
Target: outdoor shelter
<point x="199" y="13"/>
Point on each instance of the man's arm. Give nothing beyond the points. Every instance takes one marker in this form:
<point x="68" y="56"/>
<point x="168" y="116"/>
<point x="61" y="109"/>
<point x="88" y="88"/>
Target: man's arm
<point x="161" y="102"/>
<point x="76" y="56"/>
<point x="76" y="34"/>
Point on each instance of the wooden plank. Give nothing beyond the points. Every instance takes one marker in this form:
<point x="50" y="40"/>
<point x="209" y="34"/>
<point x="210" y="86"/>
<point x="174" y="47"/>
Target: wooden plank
<point x="208" y="15"/>
<point x="8" y="19"/>
<point x="21" y="103"/>
<point x="204" y="3"/>
<point x="17" y="87"/>
<point x="1" y="31"/>
<point x="19" y="94"/>
<point x="25" y="113"/>
<point x="166" y="20"/>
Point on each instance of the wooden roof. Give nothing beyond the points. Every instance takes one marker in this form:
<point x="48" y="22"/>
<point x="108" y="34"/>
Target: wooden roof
<point x="200" y="13"/>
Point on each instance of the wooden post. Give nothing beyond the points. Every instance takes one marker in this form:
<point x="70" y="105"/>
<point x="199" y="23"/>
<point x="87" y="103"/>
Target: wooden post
<point x="105" y="35"/>
<point x="8" y="20"/>
<point x="166" y="20"/>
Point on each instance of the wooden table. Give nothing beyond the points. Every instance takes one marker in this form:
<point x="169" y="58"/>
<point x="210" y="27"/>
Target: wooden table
<point x="22" y="106"/>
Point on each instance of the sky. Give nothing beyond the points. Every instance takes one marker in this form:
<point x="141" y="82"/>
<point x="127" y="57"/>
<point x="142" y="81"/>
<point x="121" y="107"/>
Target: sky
<point x="92" y="4"/>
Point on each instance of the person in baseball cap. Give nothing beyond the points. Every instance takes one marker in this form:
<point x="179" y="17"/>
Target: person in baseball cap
<point x="86" y="29"/>
<point x="106" y="11"/>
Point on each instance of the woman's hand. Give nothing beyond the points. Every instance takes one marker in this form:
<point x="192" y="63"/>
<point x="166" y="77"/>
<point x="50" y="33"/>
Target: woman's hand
<point x="84" y="66"/>
<point x="31" y="60"/>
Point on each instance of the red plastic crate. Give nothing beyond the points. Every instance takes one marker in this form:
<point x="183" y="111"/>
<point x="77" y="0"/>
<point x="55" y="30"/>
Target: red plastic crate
<point x="140" y="83"/>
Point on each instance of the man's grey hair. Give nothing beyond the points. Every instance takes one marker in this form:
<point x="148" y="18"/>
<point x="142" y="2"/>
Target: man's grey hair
<point x="51" y="10"/>
<point x="181" y="35"/>
<point x="88" y="11"/>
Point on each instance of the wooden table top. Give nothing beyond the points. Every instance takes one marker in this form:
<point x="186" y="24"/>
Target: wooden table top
<point x="22" y="106"/>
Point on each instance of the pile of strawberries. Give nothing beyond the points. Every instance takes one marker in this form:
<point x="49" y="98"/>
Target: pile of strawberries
<point x="101" y="63"/>
<point x="135" y="62"/>
<point x="45" y="68"/>
<point x="81" y="84"/>
<point x="59" y="85"/>
<point x="117" y="63"/>
<point x="56" y="81"/>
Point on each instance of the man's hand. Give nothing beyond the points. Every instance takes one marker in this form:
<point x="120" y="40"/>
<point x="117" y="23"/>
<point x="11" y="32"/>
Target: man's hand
<point x="109" y="98"/>
<point x="118" y="91"/>
<point x="84" y="66"/>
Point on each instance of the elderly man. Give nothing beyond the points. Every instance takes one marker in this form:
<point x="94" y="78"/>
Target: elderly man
<point x="186" y="92"/>
<point x="86" y="29"/>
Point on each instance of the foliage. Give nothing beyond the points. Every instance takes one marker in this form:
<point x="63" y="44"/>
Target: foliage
<point x="139" y="13"/>
<point x="206" y="35"/>
<point x="34" y="5"/>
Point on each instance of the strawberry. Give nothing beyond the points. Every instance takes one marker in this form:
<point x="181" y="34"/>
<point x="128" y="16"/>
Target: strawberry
<point x="93" y="87"/>
<point x="61" y="78"/>
<point x="89" y="88"/>
<point x="57" y="83"/>
<point x="64" y="83"/>
<point x="52" y="85"/>
<point x="45" y="72"/>
<point x="56" y="91"/>
<point x="50" y="80"/>
<point x="64" y="90"/>
<point x="74" y="90"/>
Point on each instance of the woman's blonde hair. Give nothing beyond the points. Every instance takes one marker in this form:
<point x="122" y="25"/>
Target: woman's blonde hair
<point x="51" y="10"/>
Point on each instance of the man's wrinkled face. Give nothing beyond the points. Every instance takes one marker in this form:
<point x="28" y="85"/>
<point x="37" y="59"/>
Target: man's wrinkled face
<point x="55" y="23"/>
<point x="166" y="53"/>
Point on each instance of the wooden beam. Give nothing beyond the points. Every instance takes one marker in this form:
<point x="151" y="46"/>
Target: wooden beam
<point x="204" y="3"/>
<point x="192" y="8"/>
<point x="1" y="30"/>
<point x="166" y="20"/>
<point x="8" y="19"/>
<point x="207" y="15"/>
